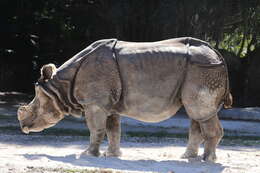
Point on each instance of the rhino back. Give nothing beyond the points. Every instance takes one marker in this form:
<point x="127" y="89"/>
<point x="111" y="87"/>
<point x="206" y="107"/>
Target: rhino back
<point x="151" y="75"/>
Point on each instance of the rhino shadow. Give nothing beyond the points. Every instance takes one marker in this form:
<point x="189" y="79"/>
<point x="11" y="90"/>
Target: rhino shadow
<point x="196" y="165"/>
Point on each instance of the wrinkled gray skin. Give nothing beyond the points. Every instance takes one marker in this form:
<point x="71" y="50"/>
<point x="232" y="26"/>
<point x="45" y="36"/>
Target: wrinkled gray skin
<point x="144" y="81"/>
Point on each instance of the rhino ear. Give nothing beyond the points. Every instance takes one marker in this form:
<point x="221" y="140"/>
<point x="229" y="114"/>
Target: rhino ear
<point x="47" y="71"/>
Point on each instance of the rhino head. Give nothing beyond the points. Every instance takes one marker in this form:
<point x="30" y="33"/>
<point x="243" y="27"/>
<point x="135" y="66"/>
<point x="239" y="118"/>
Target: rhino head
<point x="43" y="111"/>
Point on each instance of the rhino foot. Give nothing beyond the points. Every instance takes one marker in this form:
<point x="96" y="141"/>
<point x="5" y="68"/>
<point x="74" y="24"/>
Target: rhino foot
<point x="210" y="157"/>
<point x="189" y="154"/>
<point x="89" y="152"/>
<point x="109" y="153"/>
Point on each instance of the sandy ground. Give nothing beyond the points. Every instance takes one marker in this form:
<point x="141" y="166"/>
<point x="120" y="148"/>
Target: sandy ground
<point x="23" y="153"/>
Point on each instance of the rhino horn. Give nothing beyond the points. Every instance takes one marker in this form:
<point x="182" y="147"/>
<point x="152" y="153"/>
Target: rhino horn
<point x="22" y="112"/>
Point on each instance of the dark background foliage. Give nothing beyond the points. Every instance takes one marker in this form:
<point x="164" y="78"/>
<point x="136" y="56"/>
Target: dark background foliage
<point x="34" y="33"/>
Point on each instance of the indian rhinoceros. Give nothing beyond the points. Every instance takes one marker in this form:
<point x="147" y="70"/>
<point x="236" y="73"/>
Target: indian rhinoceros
<point x="147" y="81"/>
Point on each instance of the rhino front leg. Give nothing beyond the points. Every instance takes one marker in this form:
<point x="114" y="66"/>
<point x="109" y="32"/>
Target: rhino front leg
<point x="195" y="139"/>
<point x="96" y="122"/>
<point x="113" y="131"/>
<point x="212" y="132"/>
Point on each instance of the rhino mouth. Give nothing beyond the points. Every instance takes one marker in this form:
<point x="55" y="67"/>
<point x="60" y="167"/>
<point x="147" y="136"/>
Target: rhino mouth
<point x="25" y="130"/>
<point x="36" y="128"/>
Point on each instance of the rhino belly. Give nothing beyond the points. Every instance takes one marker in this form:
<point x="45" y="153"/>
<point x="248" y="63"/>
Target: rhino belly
<point x="150" y="110"/>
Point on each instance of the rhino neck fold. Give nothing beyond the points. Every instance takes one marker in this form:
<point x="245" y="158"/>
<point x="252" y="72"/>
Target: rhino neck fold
<point x="61" y="92"/>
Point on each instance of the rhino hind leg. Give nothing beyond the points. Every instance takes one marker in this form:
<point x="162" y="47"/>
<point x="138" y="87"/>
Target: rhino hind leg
<point x="195" y="139"/>
<point x="113" y="131"/>
<point x="96" y="122"/>
<point x="203" y="92"/>
<point x="209" y="131"/>
<point x="212" y="133"/>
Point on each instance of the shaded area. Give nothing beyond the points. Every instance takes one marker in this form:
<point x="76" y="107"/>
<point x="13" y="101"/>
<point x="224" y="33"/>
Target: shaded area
<point x="132" y="165"/>
<point x="9" y="102"/>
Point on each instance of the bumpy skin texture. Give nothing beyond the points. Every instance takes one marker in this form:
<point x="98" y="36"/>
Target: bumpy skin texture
<point x="145" y="81"/>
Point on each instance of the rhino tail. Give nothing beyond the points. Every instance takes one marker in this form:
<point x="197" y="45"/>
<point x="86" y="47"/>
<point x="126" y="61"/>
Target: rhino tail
<point x="228" y="101"/>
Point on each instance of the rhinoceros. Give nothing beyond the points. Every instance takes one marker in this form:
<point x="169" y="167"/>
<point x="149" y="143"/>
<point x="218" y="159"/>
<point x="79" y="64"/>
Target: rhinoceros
<point x="147" y="81"/>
